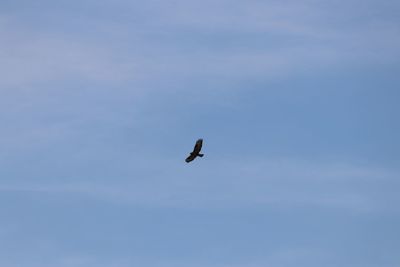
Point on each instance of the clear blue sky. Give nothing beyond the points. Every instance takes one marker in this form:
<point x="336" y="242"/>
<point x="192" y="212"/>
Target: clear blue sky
<point x="297" y="102"/>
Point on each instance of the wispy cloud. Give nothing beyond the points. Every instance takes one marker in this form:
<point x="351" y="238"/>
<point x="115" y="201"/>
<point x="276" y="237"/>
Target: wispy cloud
<point x="31" y="57"/>
<point x="289" y="257"/>
<point x="99" y="99"/>
<point x="284" y="184"/>
<point x="186" y="41"/>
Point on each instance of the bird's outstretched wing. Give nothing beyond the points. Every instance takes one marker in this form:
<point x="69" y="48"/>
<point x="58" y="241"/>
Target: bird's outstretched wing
<point x="197" y="146"/>
<point x="190" y="158"/>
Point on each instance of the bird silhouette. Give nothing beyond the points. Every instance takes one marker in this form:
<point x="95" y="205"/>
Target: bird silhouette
<point x="196" y="151"/>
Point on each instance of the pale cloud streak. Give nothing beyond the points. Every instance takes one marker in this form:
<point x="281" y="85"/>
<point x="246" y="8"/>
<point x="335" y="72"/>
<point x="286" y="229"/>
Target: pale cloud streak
<point x="100" y="101"/>
<point x="253" y="39"/>
<point x="37" y="58"/>
<point x="272" y="184"/>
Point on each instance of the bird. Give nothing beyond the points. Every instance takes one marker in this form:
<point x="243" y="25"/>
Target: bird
<point x="196" y="151"/>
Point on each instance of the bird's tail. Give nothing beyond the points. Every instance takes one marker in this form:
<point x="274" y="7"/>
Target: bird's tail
<point x="200" y="155"/>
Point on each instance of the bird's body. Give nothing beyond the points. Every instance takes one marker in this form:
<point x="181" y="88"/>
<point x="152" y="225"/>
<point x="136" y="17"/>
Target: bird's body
<point x="196" y="151"/>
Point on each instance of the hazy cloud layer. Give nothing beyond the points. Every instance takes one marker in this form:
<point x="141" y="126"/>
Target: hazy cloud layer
<point x="297" y="102"/>
<point x="226" y="185"/>
<point x="186" y="40"/>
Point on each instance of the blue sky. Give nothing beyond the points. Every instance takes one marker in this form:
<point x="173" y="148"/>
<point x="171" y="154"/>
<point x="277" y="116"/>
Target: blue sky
<point x="297" y="102"/>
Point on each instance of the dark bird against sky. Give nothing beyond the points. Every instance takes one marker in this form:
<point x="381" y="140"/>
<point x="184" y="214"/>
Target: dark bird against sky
<point x="196" y="151"/>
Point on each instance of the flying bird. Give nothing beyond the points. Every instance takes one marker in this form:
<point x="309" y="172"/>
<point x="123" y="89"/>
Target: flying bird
<point x="196" y="151"/>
